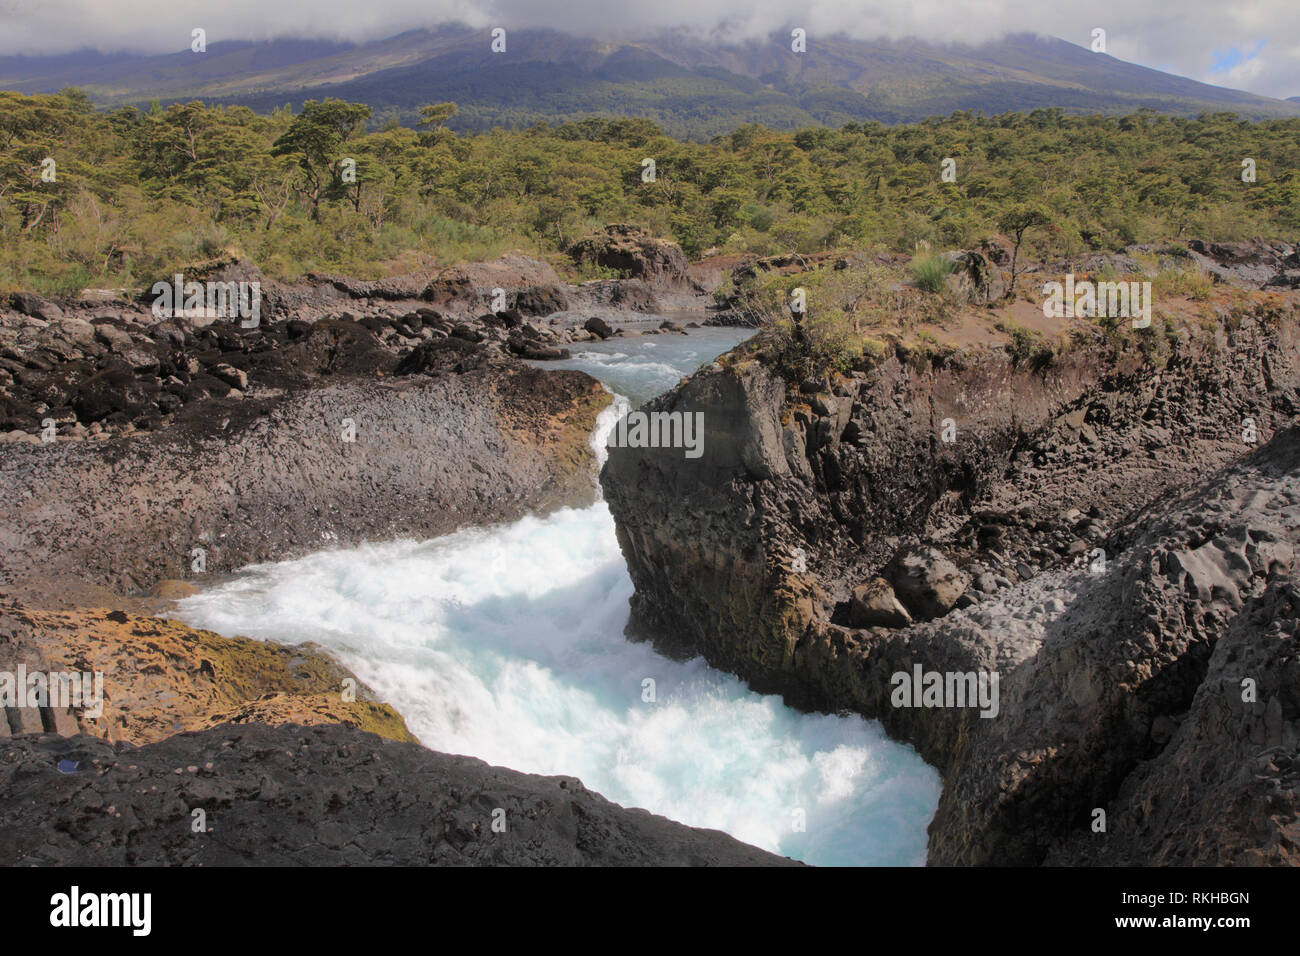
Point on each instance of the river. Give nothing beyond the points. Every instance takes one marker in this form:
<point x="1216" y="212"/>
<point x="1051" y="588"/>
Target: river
<point x="506" y="643"/>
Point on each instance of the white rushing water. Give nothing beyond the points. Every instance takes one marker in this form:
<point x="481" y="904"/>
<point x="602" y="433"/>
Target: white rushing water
<point x="506" y="643"/>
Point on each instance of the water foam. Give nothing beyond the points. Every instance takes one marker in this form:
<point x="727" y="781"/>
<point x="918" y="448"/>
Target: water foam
<point x="507" y="644"/>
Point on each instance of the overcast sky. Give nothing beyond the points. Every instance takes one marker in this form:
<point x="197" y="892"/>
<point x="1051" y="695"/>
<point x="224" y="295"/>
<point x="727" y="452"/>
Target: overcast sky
<point x="1245" y="44"/>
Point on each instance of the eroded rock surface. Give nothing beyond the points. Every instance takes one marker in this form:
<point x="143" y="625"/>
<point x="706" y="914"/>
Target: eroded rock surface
<point x="1107" y="602"/>
<point x="160" y="677"/>
<point x="178" y="450"/>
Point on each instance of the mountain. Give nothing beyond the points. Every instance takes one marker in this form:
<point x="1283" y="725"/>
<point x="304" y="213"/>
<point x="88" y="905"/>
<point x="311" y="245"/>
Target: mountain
<point x="686" y="85"/>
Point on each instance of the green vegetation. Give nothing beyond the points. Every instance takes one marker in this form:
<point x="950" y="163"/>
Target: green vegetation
<point x="1015" y="222"/>
<point x="930" y="272"/>
<point x="859" y="310"/>
<point x="141" y="192"/>
<point x="1027" y="347"/>
<point x="1186" y="280"/>
<point x="811" y="347"/>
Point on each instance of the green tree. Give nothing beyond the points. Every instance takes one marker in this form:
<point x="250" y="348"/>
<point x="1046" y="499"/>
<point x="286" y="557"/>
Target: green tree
<point x="433" y="120"/>
<point x="316" y="138"/>
<point x="1015" y="222"/>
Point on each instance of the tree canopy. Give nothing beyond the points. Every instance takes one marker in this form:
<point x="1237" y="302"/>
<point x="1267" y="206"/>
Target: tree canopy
<point x="137" y="192"/>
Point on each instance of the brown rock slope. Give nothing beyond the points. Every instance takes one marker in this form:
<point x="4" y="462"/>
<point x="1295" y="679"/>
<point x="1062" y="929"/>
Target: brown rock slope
<point x="161" y="677"/>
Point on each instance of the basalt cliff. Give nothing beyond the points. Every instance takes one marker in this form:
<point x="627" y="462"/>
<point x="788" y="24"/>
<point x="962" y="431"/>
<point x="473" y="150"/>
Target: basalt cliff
<point x="1112" y="533"/>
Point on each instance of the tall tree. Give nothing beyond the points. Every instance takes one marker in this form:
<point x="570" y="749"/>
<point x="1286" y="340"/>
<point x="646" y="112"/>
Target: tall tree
<point x="433" y="119"/>
<point x="316" y="139"/>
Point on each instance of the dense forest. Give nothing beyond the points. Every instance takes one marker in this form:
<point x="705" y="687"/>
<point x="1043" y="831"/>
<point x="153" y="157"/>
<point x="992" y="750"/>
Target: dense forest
<point x="115" y="198"/>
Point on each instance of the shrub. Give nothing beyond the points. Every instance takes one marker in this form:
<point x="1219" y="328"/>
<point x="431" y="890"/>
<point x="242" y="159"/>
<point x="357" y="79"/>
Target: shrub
<point x="931" y="272"/>
<point x="1027" y="345"/>
<point x="1188" y="281"/>
<point x="812" y="349"/>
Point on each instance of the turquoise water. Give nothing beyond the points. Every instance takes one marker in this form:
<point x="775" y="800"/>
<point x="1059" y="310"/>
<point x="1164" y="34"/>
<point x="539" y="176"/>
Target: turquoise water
<point x="642" y="367"/>
<point x="506" y="643"/>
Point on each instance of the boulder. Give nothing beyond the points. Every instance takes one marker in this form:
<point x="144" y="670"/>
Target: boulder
<point x="598" y="326"/>
<point x="875" y="604"/>
<point x="531" y="349"/>
<point x="76" y="330"/>
<point x="437" y="353"/>
<point x="30" y="304"/>
<point x="925" y="581"/>
<point x="118" y="340"/>
<point x="234" y="377"/>
<point x="975" y="279"/>
<point x="541" y="300"/>
<point x="168" y="334"/>
<point x="468" y="333"/>
<point x="141" y="360"/>
<point x="635" y="254"/>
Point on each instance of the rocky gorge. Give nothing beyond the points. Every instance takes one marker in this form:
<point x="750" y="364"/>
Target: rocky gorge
<point x="1111" y="533"/>
<point x="145" y="455"/>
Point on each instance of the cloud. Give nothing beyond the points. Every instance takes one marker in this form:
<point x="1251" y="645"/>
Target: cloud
<point x="1236" y="69"/>
<point x="1181" y="37"/>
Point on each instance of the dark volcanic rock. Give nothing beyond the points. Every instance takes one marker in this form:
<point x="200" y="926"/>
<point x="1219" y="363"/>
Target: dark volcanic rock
<point x="541" y="301"/>
<point x="1104" y="597"/>
<point x="543" y="353"/>
<point x="1244" y="808"/>
<point x="657" y="262"/>
<point x="35" y="306"/>
<point x="115" y="390"/>
<point x="317" y="796"/>
<point x="1250" y="265"/>
<point x="466" y="332"/>
<point x="259" y="479"/>
<point x="335" y="347"/>
<point x="436" y="354"/>
<point x="633" y="295"/>
<point x="598" y="326"/>
<point x="925" y="581"/>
